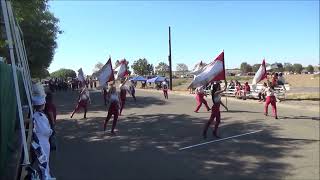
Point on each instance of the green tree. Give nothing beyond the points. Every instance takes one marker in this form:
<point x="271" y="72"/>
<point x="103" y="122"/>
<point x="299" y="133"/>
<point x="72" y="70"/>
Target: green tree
<point x="245" y="67"/>
<point x="288" y="67"/>
<point x="40" y="30"/>
<point x="297" y="68"/>
<point x="142" y="67"/>
<point x="64" y="73"/>
<point x="280" y="67"/>
<point x="162" y="68"/>
<point x="43" y="73"/>
<point x="310" y="69"/>
<point x="97" y="67"/>
<point x="182" y="67"/>
<point x="256" y="67"/>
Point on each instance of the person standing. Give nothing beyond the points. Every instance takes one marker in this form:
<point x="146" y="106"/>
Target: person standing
<point x="200" y="93"/>
<point x="42" y="131"/>
<point x="91" y="82"/>
<point x="246" y="90"/>
<point x="51" y="113"/>
<point x="113" y="109"/>
<point x="83" y="100"/>
<point x="95" y="83"/>
<point x="165" y="89"/>
<point x="132" y="90"/>
<point x="215" y="113"/>
<point x="271" y="99"/>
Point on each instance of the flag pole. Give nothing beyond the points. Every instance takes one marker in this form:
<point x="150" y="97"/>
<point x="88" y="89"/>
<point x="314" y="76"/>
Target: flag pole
<point x="169" y="58"/>
<point x="226" y="79"/>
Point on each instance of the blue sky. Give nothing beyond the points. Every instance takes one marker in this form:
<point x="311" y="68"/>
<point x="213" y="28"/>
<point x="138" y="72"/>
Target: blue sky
<point x="285" y="31"/>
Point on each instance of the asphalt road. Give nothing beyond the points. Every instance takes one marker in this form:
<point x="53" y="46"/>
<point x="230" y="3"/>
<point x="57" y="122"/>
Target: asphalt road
<point x="152" y="130"/>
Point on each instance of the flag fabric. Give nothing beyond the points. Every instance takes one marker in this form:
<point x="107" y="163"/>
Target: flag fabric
<point x="81" y="75"/>
<point x="105" y="74"/>
<point x="122" y="69"/>
<point x="198" y="68"/>
<point x="215" y="71"/>
<point x="261" y="74"/>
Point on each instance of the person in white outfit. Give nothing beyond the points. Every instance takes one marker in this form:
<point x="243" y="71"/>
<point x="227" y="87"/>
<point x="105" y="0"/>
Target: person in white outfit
<point x="42" y="130"/>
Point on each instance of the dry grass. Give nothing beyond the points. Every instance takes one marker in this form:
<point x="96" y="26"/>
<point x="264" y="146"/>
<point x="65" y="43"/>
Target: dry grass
<point x="181" y="84"/>
<point x="303" y="96"/>
<point x="303" y="80"/>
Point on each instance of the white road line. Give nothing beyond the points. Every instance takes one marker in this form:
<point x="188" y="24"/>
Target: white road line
<point x="188" y="147"/>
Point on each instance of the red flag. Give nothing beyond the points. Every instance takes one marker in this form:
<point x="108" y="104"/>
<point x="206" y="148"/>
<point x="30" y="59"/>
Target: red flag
<point x="215" y="71"/>
<point x="261" y="74"/>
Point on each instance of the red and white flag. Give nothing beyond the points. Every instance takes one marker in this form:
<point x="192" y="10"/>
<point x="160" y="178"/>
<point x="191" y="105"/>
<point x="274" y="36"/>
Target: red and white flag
<point x="122" y="70"/>
<point x="215" y="71"/>
<point x="105" y="74"/>
<point x="261" y="74"/>
<point x="81" y="75"/>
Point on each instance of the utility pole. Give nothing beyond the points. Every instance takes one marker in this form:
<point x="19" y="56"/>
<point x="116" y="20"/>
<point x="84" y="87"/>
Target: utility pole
<point x="169" y="58"/>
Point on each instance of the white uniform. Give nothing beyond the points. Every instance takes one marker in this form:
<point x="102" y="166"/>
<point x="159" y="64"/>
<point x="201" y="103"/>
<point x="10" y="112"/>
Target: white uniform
<point x="43" y="131"/>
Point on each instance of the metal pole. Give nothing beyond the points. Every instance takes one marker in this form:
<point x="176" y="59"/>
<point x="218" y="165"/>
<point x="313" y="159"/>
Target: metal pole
<point x="21" y="58"/>
<point x="15" y="78"/>
<point x="170" y="65"/>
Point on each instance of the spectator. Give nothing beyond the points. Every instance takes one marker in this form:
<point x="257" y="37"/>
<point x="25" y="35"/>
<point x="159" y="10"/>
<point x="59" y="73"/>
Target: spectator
<point x="91" y="83"/>
<point x="51" y="113"/>
<point x="281" y="80"/>
<point x="42" y="131"/>
<point x="238" y="92"/>
<point x="231" y="85"/>
<point x="246" y="90"/>
<point x="95" y="83"/>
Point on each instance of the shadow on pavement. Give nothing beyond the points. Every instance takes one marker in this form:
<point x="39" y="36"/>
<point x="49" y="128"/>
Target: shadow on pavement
<point x="301" y="117"/>
<point x="147" y="147"/>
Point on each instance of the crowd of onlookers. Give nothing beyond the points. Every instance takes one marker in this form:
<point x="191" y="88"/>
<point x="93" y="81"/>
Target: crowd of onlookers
<point x="61" y="84"/>
<point x="242" y="90"/>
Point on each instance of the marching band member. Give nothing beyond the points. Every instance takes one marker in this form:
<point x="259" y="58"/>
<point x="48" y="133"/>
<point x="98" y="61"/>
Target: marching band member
<point x="123" y="93"/>
<point x="200" y="98"/>
<point x="113" y="108"/>
<point x="83" y="100"/>
<point x="165" y="89"/>
<point x="271" y="99"/>
<point x="215" y="113"/>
